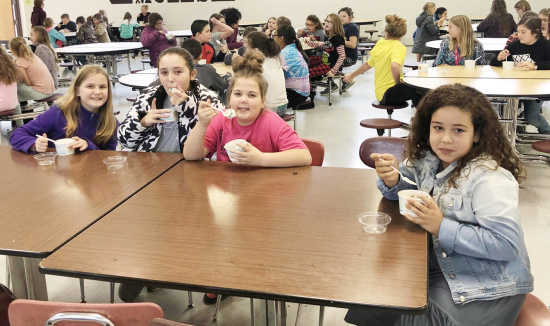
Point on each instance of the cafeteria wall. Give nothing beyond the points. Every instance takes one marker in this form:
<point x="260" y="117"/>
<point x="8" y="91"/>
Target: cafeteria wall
<point x="179" y="15"/>
<point x="7" y="28"/>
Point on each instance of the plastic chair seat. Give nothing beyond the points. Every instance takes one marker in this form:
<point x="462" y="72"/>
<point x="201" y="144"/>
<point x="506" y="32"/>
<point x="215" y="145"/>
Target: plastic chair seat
<point x="390" y="106"/>
<point x="380" y="123"/>
<point x="391" y="145"/>
<point x="533" y="312"/>
<point x="50" y="98"/>
<point x="542" y="146"/>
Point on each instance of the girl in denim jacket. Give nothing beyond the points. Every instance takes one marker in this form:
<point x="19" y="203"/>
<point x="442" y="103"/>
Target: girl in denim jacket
<point x="457" y="153"/>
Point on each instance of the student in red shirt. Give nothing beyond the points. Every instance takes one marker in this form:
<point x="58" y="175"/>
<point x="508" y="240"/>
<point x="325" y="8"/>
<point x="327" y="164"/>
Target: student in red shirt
<point x="201" y="32"/>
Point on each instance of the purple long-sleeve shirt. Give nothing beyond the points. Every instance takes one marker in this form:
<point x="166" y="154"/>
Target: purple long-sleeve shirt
<point x="232" y="43"/>
<point x="156" y="42"/>
<point x="53" y="123"/>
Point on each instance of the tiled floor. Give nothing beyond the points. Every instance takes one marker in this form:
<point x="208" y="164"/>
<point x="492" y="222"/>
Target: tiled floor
<point x="338" y="128"/>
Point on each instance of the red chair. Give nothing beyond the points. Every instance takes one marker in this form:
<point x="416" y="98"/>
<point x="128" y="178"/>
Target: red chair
<point x="533" y="312"/>
<point x="40" y="313"/>
<point x="391" y="145"/>
<point x="317" y="151"/>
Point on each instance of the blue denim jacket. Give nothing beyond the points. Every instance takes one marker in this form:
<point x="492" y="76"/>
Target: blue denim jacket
<point x="480" y="248"/>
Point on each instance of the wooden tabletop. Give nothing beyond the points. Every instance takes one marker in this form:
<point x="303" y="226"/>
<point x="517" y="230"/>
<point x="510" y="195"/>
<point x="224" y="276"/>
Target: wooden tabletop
<point x="45" y="206"/>
<point x="497" y="87"/>
<point x="288" y="233"/>
<point x="483" y="71"/>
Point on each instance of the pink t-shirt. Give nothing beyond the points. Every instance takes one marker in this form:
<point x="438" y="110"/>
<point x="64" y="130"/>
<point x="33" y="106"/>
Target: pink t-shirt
<point x="8" y="96"/>
<point x="269" y="133"/>
<point x="38" y="74"/>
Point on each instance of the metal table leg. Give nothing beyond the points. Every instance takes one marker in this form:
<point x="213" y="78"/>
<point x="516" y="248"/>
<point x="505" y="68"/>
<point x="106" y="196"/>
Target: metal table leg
<point x="190" y="296"/>
<point x="82" y="295"/>
<point x="36" y="282"/>
<point x="321" y="315"/>
<point x="252" y="321"/>
<point x="112" y="288"/>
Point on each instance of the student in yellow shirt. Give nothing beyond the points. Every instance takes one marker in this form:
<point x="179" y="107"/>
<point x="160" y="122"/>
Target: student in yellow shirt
<point x="387" y="58"/>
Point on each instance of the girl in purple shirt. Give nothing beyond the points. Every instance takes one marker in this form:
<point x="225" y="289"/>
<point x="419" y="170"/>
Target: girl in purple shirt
<point x="84" y="113"/>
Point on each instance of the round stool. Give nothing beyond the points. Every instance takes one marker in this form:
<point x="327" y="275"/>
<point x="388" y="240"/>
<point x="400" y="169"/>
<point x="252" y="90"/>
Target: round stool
<point x="390" y="107"/>
<point x="390" y="145"/>
<point x="542" y="146"/>
<point x="380" y="125"/>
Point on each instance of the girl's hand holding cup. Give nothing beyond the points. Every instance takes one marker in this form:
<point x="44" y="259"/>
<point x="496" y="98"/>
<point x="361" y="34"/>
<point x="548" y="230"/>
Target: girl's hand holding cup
<point x="79" y="144"/>
<point x="249" y="155"/>
<point x="387" y="168"/>
<point x="154" y="115"/>
<point x="177" y="96"/>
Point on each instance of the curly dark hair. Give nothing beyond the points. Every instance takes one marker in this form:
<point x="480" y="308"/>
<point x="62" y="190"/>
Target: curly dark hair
<point x="492" y="139"/>
<point x="232" y="16"/>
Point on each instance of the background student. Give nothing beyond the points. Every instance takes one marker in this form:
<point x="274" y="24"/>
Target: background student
<point x="155" y="38"/>
<point x="499" y="23"/>
<point x="351" y="32"/>
<point x="427" y="30"/>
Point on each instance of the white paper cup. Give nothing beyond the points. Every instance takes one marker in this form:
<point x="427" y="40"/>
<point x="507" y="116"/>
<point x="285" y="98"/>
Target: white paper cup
<point x="406" y="195"/>
<point x="62" y="146"/>
<point x="424" y="67"/>
<point x="374" y="222"/>
<point x="169" y="36"/>
<point x="202" y="61"/>
<point x="508" y="65"/>
<point x="469" y="64"/>
<point x="234" y="146"/>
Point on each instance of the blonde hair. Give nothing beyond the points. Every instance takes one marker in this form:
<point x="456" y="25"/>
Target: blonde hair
<point x="69" y="104"/>
<point x="20" y="49"/>
<point x="396" y="26"/>
<point x="466" y="39"/>
<point x="249" y="66"/>
<point x="43" y="38"/>
<point x="8" y="71"/>
<point x="337" y="27"/>
<point x="427" y="6"/>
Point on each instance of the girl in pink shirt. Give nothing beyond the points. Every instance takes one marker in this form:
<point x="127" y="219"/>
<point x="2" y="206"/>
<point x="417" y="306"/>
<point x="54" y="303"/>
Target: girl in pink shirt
<point x="8" y="83"/>
<point x="34" y="79"/>
<point x="270" y="142"/>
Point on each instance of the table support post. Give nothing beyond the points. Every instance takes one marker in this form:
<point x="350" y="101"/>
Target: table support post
<point x="190" y="296"/>
<point x="321" y="315"/>
<point x="252" y="321"/>
<point x="112" y="290"/>
<point x="82" y="295"/>
<point x="36" y="282"/>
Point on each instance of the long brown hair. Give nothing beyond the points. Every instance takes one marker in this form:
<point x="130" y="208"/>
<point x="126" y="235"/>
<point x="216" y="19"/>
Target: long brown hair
<point x="42" y="37"/>
<point x="20" y="49"/>
<point x="8" y="71"/>
<point x="70" y="106"/>
<point x="492" y="138"/>
<point x="466" y="40"/>
<point x="337" y="27"/>
<point x="248" y="66"/>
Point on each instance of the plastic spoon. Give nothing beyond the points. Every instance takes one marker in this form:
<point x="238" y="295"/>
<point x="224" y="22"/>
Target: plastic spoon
<point x="407" y="180"/>
<point x="53" y="141"/>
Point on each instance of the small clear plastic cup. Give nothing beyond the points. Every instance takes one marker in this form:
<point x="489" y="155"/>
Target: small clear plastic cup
<point x="234" y="146"/>
<point x="115" y="162"/>
<point x="374" y="222"/>
<point x="47" y="158"/>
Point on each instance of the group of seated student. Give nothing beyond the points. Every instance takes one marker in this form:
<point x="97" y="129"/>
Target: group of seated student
<point x="470" y="164"/>
<point x="426" y="30"/>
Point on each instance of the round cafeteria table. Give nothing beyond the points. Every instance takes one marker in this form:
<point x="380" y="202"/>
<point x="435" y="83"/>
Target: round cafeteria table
<point x="491" y="81"/>
<point x="106" y="50"/>
<point x="489" y="44"/>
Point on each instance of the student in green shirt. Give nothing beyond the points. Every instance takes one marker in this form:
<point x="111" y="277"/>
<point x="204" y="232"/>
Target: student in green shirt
<point x="127" y="28"/>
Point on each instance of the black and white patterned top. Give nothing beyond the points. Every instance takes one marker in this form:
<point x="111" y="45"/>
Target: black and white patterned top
<point x="134" y="137"/>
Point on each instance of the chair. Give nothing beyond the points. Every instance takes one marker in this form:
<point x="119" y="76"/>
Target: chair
<point x="382" y="124"/>
<point x="391" y="145"/>
<point x="40" y="313"/>
<point x="166" y="322"/>
<point x="533" y="312"/>
<point x="317" y="151"/>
